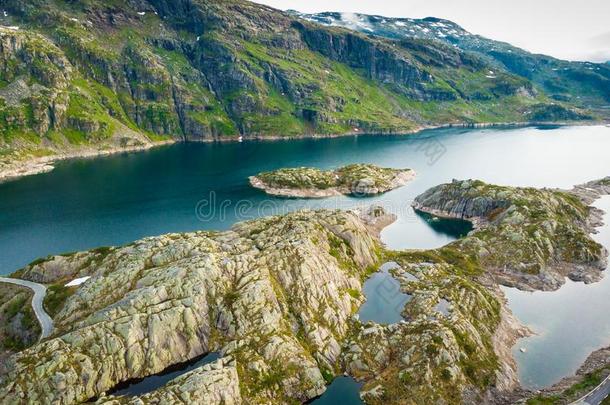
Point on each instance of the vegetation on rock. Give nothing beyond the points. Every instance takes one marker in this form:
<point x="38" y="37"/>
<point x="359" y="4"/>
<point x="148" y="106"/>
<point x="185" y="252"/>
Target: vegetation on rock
<point x="356" y="179"/>
<point x="276" y="297"/>
<point x="18" y="325"/>
<point x="530" y="238"/>
<point x="93" y="74"/>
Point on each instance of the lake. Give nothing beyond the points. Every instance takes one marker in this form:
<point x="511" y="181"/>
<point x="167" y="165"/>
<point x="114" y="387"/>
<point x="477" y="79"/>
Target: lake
<point x="116" y="199"/>
<point x="569" y="323"/>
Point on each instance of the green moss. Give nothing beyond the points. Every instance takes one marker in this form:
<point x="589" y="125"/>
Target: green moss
<point x="344" y="178"/>
<point x="56" y="297"/>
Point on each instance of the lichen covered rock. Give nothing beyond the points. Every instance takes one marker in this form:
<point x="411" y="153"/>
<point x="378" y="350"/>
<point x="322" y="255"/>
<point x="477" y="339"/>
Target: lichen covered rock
<point x="354" y="179"/>
<point x="529" y="238"/>
<point x="272" y="293"/>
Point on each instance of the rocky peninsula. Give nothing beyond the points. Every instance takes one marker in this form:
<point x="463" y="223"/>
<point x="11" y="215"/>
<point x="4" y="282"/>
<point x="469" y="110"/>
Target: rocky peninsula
<point x="276" y="297"/>
<point x="527" y="238"/>
<point x="354" y="179"/>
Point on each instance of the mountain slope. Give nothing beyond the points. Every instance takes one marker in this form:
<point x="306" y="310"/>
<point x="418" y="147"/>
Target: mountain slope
<point x="86" y="73"/>
<point x="583" y="83"/>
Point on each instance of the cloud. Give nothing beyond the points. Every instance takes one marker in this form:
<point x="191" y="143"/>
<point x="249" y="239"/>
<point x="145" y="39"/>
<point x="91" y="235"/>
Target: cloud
<point x="602" y="39"/>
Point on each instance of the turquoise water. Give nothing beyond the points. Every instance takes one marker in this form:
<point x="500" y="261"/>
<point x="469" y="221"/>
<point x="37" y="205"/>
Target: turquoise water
<point x="114" y="200"/>
<point x="117" y="199"/>
<point x="384" y="300"/>
<point x="342" y="391"/>
<point x="569" y="323"/>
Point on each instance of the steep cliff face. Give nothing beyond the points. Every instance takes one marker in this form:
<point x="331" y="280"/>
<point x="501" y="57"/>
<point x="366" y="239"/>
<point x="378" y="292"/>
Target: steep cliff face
<point x="95" y="73"/>
<point x="582" y="83"/>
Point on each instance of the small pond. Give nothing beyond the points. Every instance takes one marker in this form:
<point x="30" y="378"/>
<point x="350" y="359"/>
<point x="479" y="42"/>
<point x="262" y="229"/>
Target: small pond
<point x="342" y="391"/>
<point x="384" y="299"/>
<point x="456" y="228"/>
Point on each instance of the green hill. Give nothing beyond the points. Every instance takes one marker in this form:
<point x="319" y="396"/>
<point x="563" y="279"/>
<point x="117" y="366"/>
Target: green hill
<point x="78" y="74"/>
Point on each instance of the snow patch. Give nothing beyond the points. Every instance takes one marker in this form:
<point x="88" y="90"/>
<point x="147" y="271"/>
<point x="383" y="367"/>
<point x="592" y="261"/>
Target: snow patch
<point x="354" y="21"/>
<point x="77" y="281"/>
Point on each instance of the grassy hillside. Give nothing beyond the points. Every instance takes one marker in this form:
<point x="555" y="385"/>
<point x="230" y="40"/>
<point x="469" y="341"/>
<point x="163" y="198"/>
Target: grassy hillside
<point x="101" y="74"/>
<point x="584" y="84"/>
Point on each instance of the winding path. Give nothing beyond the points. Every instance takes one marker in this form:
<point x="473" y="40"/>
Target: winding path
<point x="597" y="395"/>
<point x="46" y="323"/>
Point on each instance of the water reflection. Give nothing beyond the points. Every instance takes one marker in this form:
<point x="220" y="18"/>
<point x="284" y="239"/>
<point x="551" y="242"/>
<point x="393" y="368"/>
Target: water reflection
<point x="456" y="228"/>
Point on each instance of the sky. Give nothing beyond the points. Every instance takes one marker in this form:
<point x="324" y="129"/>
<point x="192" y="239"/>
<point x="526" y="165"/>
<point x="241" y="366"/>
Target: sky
<point x="566" y="29"/>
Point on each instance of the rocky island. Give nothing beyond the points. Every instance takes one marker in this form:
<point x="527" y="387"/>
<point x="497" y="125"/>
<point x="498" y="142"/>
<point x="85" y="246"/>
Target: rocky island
<point x="354" y="179"/>
<point x="276" y="297"/>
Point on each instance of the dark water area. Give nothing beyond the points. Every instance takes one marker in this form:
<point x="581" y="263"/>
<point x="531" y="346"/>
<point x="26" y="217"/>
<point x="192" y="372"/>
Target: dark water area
<point x="153" y="382"/>
<point x="456" y="228"/>
<point x="342" y="391"/>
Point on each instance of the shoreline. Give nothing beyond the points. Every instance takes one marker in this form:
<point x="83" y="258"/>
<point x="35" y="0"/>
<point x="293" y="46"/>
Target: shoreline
<point x="45" y="164"/>
<point x="39" y="165"/>
<point x="588" y="193"/>
<point x="401" y="178"/>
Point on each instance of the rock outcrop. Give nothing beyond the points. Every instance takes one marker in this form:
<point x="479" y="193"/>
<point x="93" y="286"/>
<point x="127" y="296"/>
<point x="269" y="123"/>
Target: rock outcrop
<point x="18" y="325"/>
<point x="528" y="238"/>
<point x="355" y="179"/>
<point x="273" y="293"/>
<point x="276" y="297"/>
<point x="214" y="384"/>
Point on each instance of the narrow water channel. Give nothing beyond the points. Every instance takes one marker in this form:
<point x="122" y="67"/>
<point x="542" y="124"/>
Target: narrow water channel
<point x="153" y="382"/>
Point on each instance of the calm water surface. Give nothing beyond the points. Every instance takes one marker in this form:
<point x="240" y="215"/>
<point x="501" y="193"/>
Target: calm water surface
<point x="342" y="391"/>
<point x="114" y="200"/>
<point x="569" y="323"/>
<point x="384" y="299"/>
<point x="153" y="382"/>
<point x="117" y="199"/>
